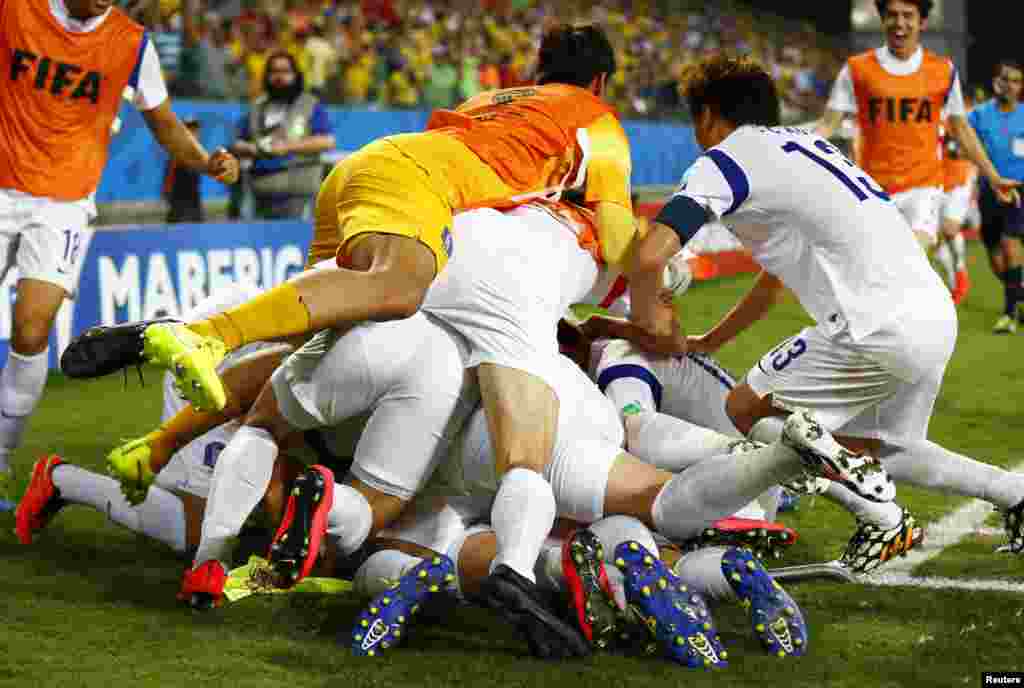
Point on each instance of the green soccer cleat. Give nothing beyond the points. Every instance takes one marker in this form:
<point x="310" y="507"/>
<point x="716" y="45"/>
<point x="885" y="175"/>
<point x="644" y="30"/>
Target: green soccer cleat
<point x="192" y="359"/>
<point x="129" y="465"/>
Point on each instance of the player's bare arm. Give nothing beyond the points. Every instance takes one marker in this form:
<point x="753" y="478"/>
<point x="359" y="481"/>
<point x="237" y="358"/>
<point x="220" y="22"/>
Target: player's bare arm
<point x="765" y="293"/>
<point x="183" y="147"/>
<point x="1005" y="189"/>
<point x="651" y="307"/>
<point x="830" y="122"/>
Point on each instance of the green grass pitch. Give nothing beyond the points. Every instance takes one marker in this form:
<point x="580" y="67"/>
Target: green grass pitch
<point x="93" y="605"/>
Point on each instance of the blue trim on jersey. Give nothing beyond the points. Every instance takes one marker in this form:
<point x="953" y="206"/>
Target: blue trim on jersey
<point x="734" y="175"/>
<point x="711" y="366"/>
<point x="684" y="216"/>
<point x="626" y="370"/>
<point x="133" y="81"/>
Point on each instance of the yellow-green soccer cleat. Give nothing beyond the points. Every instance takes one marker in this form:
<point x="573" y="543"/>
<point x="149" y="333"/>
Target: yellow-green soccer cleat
<point x="192" y="359"/>
<point x="8" y="501"/>
<point x="129" y="465"/>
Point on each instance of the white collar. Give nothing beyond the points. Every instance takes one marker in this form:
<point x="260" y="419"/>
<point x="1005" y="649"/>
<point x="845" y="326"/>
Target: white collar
<point x="60" y="13"/>
<point x="895" y="65"/>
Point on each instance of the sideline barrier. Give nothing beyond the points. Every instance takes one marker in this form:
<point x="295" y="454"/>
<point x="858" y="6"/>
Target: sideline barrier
<point x="135" y="170"/>
<point x="147" y="271"/>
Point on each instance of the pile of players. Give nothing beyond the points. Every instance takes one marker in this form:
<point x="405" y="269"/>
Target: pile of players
<point x="497" y="469"/>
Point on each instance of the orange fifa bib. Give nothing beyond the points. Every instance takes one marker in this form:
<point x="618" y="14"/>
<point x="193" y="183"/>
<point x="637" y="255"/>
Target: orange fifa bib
<point x="900" y="119"/>
<point x="61" y="92"/>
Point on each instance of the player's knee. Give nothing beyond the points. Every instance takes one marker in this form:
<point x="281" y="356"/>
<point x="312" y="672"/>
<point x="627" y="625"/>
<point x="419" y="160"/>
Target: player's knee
<point x="266" y="415"/>
<point x="740" y="407"/>
<point x="31" y="335"/>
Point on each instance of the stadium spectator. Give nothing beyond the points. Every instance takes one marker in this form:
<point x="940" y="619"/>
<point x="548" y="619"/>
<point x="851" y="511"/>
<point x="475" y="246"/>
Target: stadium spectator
<point x="205" y="61"/>
<point x="284" y="134"/>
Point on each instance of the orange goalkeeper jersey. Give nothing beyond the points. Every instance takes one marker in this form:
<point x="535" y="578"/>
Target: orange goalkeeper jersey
<point x="59" y="96"/>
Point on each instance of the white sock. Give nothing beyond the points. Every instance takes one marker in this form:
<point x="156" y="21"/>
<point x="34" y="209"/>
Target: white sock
<point x="612" y="531"/>
<point x="161" y="516"/>
<point x="885" y="515"/>
<point x="670" y="443"/>
<point x="959" y="247"/>
<point x="381" y="570"/>
<point x="21" y="387"/>
<point x="522" y="516"/>
<point x="719" y="487"/>
<point x="701" y="571"/>
<point x="350" y="519"/>
<point x="944" y="257"/>
<point x="767" y="430"/>
<point x="927" y="464"/>
<point x="632" y="392"/>
<point x="240" y="480"/>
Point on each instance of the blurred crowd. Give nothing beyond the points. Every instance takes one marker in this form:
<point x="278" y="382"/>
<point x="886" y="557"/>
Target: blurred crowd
<point x="434" y="53"/>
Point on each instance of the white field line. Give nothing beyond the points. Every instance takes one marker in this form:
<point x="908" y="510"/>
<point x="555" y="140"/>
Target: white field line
<point x="948" y="531"/>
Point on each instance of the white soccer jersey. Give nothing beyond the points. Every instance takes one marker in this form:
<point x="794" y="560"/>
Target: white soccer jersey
<point x="818" y="222"/>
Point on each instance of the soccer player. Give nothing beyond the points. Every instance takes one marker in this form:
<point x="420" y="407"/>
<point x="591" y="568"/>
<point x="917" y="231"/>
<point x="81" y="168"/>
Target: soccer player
<point x="959" y="183"/>
<point x="871" y="367"/>
<point x="899" y="93"/>
<point x="66" y="64"/>
<point x="1000" y="126"/>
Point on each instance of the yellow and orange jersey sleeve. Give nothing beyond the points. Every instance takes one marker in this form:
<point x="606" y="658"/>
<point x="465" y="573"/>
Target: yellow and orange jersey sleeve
<point x="608" y="163"/>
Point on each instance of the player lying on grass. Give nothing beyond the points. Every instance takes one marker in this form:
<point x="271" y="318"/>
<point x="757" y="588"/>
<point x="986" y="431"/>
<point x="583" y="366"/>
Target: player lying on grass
<point x="872" y="365"/>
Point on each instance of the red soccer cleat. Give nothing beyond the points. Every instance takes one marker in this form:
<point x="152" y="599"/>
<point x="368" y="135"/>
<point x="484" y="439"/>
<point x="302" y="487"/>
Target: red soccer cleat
<point x="296" y="545"/>
<point x="590" y="595"/>
<point x="203" y="587"/>
<point x="41" y="501"/>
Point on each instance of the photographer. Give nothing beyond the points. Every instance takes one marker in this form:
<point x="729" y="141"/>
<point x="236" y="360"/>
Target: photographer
<point x="284" y="134"/>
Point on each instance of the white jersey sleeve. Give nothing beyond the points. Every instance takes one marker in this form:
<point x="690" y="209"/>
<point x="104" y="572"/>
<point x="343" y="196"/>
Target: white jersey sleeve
<point x="843" y="99"/>
<point x="148" y="79"/>
<point x="708" y="183"/>
<point x="955" y="106"/>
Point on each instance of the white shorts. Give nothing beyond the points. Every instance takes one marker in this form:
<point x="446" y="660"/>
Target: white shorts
<point x="511" y="278"/>
<point x="409" y="374"/>
<point x="956" y="204"/>
<point x="882" y="387"/>
<point x="45" y="239"/>
<point x="922" y="208"/>
<point x="692" y="387"/>
<point x="589" y="438"/>
<point x="437" y="522"/>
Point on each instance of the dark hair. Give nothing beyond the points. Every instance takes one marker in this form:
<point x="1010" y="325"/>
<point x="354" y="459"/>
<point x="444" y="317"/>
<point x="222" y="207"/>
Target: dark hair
<point x="1010" y="64"/>
<point x="737" y="89"/>
<point x="574" y="55"/>
<point x="297" y="87"/>
<point x="923" y="6"/>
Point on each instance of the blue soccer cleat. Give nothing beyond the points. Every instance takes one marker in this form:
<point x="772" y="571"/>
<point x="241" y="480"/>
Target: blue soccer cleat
<point x="774" y="616"/>
<point x="677" y="617"/>
<point x="382" y="624"/>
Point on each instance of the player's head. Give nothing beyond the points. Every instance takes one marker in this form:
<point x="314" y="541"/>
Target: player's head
<point x="903" y="21"/>
<point x="725" y="92"/>
<point x="577" y="55"/>
<point x="83" y="10"/>
<point x="282" y="79"/>
<point x="1008" y="82"/>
